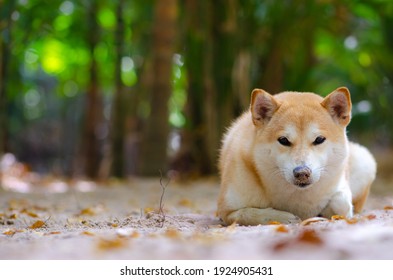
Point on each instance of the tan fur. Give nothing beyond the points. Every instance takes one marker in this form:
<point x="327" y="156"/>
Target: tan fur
<point x="358" y="202"/>
<point x="258" y="182"/>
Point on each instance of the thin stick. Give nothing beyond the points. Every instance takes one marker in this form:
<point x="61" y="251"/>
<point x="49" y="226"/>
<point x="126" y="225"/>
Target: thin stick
<point x="163" y="187"/>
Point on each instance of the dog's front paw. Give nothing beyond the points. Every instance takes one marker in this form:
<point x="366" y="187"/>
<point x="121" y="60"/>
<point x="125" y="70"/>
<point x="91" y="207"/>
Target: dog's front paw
<point x="338" y="206"/>
<point x="257" y="216"/>
<point x="284" y="217"/>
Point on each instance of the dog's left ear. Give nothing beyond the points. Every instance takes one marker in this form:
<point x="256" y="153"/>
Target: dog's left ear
<point x="338" y="103"/>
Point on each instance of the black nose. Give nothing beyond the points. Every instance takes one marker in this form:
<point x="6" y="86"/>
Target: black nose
<point x="302" y="173"/>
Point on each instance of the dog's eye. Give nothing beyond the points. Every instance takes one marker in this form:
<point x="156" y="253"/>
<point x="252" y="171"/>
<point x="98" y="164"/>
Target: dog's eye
<point x="319" y="140"/>
<point x="284" y="141"/>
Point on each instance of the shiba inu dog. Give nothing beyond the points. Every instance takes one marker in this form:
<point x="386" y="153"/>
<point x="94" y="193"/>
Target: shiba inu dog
<point x="288" y="159"/>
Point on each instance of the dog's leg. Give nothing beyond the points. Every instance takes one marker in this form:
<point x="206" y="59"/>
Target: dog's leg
<point x="257" y="216"/>
<point x="362" y="171"/>
<point x="340" y="204"/>
<point x="360" y="200"/>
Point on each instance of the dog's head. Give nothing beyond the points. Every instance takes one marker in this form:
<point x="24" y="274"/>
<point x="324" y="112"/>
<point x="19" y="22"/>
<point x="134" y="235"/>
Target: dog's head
<point x="300" y="136"/>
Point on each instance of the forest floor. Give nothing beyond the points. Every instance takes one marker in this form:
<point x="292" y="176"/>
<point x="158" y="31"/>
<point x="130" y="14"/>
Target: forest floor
<point x="124" y="221"/>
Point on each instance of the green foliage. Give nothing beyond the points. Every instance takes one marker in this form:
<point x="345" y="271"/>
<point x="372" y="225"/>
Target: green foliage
<point x="178" y="98"/>
<point x="293" y="45"/>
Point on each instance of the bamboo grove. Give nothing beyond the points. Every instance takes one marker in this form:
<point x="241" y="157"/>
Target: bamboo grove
<point x="103" y="88"/>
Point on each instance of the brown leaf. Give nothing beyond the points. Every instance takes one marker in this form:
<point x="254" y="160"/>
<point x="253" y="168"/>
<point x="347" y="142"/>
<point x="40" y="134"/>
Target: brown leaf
<point x="282" y="228"/>
<point x="388" y="207"/>
<point x="337" y="217"/>
<point x="87" y="212"/>
<point x="53" y="233"/>
<point x="148" y="210"/>
<point x="88" y="233"/>
<point x="313" y="220"/>
<point x="29" y="213"/>
<point x="281" y="245"/>
<point x="37" y="224"/>
<point x="110" y="244"/>
<point x="13" y="216"/>
<point x="371" y="217"/>
<point x="9" y="232"/>
<point x="172" y="233"/>
<point x="186" y="203"/>
<point x="352" y="221"/>
<point x="274" y="223"/>
<point x="310" y="236"/>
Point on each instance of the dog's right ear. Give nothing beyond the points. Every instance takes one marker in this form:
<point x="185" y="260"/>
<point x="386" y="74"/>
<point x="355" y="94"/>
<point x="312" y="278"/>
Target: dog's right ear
<point x="263" y="106"/>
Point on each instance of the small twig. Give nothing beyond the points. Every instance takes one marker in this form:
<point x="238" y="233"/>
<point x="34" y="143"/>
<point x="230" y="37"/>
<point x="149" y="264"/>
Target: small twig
<point x="161" y="208"/>
<point x="48" y="219"/>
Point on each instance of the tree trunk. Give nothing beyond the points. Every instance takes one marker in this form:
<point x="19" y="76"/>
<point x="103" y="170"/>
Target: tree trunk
<point x="209" y="59"/>
<point x="118" y="112"/>
<point x="155" y="138"/>
<point x="273" y="77"/>
<point x="223" y="57"/>
<point x="5" y="54"/>
<point x="93" y="105"/>
<point x="193" y="158"/>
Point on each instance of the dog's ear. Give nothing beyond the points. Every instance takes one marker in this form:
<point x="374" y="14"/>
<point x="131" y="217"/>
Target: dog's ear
<point x="338" y="103"/>
<point x="263" y="106"/>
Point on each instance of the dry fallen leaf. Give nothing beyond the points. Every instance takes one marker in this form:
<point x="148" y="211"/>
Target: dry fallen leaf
<point x="352" y="221"/>
<point x="110" y="244"/>
<point x="186" y="203"/>
<point x="282" y="228"/>
<point x="13" y="216"/>
<point x="313" y="220"/>
<point x="37" y="224"/>
<point x="87" y="212"/>
<point x="9" y="232"/>
<point x="29" y="213"/>
<point x="388" y="207"/>
<point x="92" y="210"/>
<point x="310" y="236"/>
<point x="148" y="210"/>
<point x="281" y="245"/>
<point x="172" y="233"/>
<point x="274" y="223"/>
<point x="371" y="217"/>
<point x="53" y="233"/>
<point x="88" y="233"/>
<point x="337" y="217"/>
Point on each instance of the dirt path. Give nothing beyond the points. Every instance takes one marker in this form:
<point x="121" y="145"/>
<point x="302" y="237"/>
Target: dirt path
<point x="120" y="222"/>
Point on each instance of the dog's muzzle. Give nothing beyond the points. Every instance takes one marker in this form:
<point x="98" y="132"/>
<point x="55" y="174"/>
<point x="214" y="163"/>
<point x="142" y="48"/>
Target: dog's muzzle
<point x="302" y="176"/>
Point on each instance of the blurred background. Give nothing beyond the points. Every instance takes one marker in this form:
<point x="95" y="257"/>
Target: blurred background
<point x="117" y="88"/>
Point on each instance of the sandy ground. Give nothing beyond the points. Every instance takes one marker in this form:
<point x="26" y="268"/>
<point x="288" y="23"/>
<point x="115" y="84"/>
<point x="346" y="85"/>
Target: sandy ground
<point x="123" y="221"/>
